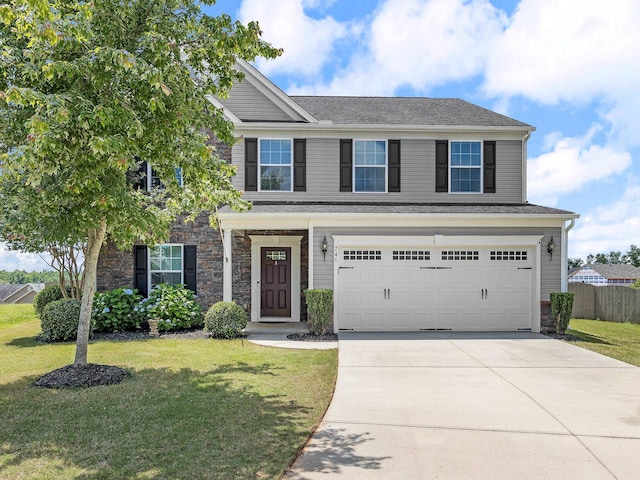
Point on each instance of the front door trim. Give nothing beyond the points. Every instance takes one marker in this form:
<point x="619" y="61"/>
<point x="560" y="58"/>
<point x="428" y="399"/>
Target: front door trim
<point x="259" y="241"/>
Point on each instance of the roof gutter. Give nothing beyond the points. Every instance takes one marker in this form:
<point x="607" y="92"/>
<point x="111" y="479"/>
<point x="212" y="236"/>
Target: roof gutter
<point x="525" y="138"/>
<point x="329" y="126"/>
<point x="564" y="257"/>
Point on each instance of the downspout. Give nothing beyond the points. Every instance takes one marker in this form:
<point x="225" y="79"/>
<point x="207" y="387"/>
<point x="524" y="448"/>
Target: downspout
<point x="525" y="138"/>
<point x="565" y="254"/>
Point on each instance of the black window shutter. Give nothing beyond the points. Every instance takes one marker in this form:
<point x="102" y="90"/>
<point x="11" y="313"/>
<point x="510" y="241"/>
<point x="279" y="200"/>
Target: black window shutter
<point x="346" y="167"/>
<point x="394" y="166"/>
<point x="442" y="166"/>
<point x="251" y="164"/>
<point x="299" y="165"/>
<point x="141" y="282"/>
<point x="189" y="267"/>
<point x="489" y="154"/>
<point x="141" y="177"/>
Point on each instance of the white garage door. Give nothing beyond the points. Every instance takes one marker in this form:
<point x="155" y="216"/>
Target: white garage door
<point x="388" y="288"/>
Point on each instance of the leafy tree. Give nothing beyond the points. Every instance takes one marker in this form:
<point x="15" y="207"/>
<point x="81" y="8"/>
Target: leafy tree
<point x="89" y="90"/>
<point x="574" y="262"/>
<point x="636" y="284"/>
<point x="633" y="256"/>
<point x="22" y="276"/>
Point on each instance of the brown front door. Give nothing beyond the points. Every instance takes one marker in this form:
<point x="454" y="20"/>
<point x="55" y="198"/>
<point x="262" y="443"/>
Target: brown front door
<point x="275" y="282"/>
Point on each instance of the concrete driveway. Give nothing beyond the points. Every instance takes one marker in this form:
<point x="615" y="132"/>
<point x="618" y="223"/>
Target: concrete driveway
<point x="477" y="406"/>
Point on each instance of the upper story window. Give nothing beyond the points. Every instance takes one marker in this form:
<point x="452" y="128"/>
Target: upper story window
<point x="155" y="181"/>
<point x="466" y="167"/>
<point x="370" y="166"/>
<point x="275" y="165"/>
<point x="165" y="265"/>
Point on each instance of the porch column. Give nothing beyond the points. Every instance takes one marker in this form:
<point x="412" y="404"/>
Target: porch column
<point x="227" y="276"/>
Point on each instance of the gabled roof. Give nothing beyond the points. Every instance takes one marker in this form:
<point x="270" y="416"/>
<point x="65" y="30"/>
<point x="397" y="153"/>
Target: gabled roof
<point x="6" y="290"/>
<point x="620" y="271"/>
<point x="404" y="111"/>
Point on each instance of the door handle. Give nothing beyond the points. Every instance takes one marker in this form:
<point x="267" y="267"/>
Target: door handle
<point x="389" y="293"/>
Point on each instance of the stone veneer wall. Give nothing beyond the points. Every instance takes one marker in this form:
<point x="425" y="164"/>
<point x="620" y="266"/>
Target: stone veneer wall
<point x="115" y="267"/>
<point x="242" y="266"/>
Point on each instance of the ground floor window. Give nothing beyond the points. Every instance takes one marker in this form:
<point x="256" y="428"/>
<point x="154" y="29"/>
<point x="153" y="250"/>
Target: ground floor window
<point x="165" y="265"/>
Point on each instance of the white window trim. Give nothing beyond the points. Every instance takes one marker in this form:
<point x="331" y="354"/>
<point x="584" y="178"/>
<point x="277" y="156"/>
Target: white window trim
<point x="480" y="167"/>
<point x="290" y="140"/>
<point x="275" y="241"/>
<point x="386" y="164"/>
<point x="149" y="271"/>
<point x="150" y="179"/>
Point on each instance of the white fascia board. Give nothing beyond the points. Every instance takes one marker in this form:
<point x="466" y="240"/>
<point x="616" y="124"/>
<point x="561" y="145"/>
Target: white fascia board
<point x="437" y="240"/>
<point x="225" y="111"/>
<point x="322" y="129"/>
<point x="272" y="92"/>
<point x="246" y="221"/>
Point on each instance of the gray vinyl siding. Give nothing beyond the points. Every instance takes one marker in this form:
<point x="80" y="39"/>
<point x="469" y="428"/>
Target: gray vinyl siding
<point x="549" y="268"/>
<point x="247" y="103"/>
<point x="417" y="175"/>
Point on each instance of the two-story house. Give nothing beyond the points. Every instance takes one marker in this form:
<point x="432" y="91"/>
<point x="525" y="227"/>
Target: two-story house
<point x="412" y="210"/>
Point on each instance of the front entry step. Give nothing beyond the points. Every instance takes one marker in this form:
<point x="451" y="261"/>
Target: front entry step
<point x="254" y="328"/>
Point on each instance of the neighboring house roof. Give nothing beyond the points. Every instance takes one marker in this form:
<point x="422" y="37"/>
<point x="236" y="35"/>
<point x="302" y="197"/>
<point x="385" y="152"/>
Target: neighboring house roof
<point x="403" y="111"/>
<point x="619" y="271"/>
<point x="7" y="290"/>
<point x="408" y="208"/>
<point x="19" y="293"/>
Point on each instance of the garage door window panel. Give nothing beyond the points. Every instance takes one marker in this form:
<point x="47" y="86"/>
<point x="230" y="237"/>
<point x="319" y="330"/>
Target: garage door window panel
<point x="460" y="255"/>
<point x="362" y="255"/>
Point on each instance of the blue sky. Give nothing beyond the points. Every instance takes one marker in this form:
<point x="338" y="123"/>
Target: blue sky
<point x="571" y="68"/>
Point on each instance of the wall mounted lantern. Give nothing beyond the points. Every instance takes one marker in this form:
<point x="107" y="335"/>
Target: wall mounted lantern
<point x="324" y="247"/>
<point x="551" y="246"/>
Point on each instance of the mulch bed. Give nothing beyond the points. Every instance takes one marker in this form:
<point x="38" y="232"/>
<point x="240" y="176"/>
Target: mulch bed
<point x="144" y="334"/>
<point x="90" y="375"/>
<point x="310" y="337"/>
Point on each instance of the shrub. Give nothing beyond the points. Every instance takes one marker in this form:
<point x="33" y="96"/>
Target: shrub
<point x="174" y="306"/>
<point x="117" y="310"/>
<point x="225" y="320"/>
<point x="561" y="305"/>
<point x="319" y="310"/>
<point x="47" y="295"/>
<point x="59" y="320"/>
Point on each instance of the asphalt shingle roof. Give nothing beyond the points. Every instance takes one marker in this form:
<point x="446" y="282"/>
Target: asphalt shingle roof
<point x="403" y="111"/>
<point x="399" y="208"/>
<point x="619" y="271"/>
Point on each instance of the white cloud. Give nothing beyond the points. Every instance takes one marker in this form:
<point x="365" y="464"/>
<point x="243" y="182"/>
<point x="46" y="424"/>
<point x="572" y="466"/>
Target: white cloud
<point x="573" y="51"/>
<point x="307" y="42"/>
<point x="609" y="227"/>
<point x="418" y="43"/>
<point x="13" y="260"/>
<point x="573" y="163"/>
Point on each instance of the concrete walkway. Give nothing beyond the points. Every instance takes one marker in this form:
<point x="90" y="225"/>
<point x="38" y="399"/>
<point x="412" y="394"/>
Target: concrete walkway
<point x="476" y="406"/>
<point x="275" y="335"/>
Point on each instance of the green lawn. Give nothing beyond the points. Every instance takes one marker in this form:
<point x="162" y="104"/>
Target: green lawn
<point x="191" y="409"/>
<point x="616" y="340"/>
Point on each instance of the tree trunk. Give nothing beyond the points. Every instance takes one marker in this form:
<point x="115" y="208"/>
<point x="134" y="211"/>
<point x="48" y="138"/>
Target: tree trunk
<point x="94" y="244"/>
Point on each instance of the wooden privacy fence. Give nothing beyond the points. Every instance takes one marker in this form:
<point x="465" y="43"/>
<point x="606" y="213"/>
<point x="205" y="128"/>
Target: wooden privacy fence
<point x="610" y="303"/>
